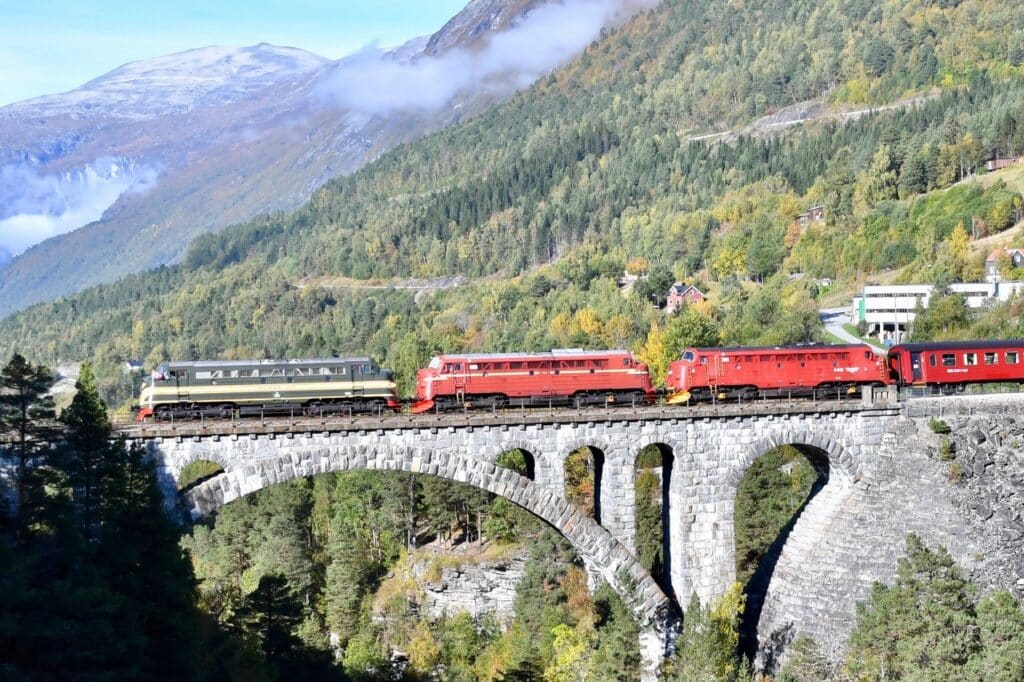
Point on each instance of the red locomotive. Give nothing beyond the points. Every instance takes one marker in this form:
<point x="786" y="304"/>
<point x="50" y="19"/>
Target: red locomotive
<point x="748" y="372"/>
<point x="950" y="365"/>
<point x="573" y="377"/>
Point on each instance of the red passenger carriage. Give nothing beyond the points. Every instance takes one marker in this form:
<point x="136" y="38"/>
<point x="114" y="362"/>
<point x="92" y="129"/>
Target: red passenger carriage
<point x="701" y="373"/>
<point x="951" y="365"/>
<point x="561" y="377"/>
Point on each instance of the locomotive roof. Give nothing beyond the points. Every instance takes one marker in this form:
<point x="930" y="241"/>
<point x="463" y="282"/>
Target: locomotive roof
<point x="558" y="353"/>
<point x="263" y="363"/>
<point x="958" y="345"/>
<point x="785" y="349"/>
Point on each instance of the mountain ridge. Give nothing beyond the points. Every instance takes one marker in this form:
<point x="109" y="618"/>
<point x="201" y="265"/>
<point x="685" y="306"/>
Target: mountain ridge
<point x="224" y="161"/>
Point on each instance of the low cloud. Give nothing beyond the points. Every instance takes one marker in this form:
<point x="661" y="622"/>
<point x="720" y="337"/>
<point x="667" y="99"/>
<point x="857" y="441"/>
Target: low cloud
<point x="373" y="82"/>
<point x="35" y="207"/>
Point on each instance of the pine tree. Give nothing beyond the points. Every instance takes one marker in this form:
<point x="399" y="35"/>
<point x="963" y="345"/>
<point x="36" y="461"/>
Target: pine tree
<point x="26" y="412"/>
<point x="924" y="624"/>
<point x="91" y="456"/>
<point x="1001" y="630"/>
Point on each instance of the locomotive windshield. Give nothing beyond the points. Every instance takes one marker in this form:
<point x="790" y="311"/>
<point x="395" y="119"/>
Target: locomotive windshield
<point x="688" y="356"/>
<point x="435" y="363"/>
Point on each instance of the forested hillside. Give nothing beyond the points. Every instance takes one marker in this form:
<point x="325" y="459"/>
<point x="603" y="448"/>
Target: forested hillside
<point x="548" y="196"/>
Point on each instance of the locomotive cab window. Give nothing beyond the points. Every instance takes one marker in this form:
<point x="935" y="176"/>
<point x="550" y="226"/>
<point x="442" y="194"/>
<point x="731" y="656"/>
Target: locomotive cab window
<point x="625" y="362"/>
<point x="991" y="358"/>
<point x="931" y="360"/>
<point x="703" y="359"/>
<point x="970" y="359"/>
<point x="1012" y="358"/>
<point x="948" y="359"/>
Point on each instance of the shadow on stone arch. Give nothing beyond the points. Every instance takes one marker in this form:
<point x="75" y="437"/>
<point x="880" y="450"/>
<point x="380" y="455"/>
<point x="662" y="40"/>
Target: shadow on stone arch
<point x="584" y="469"/>
<point x="197" y="472"/>
<point x="653" y="476"/>
<point x="772" y="494"/>
<point x="520" y="461"/>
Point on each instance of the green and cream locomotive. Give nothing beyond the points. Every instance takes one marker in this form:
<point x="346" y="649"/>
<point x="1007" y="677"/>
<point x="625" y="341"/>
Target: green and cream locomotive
<point x="226" y="388"/>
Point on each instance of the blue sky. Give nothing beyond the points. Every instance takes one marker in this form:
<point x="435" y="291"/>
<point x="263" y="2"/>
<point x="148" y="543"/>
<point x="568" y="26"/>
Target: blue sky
<point x="49" y="46"/>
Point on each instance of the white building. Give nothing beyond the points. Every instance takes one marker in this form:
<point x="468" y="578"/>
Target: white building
<point x="888" y="310"/>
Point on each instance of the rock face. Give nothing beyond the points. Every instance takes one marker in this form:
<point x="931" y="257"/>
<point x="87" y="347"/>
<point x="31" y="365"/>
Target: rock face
<point x="481" y="587"/>
<point x="986" y="471"/>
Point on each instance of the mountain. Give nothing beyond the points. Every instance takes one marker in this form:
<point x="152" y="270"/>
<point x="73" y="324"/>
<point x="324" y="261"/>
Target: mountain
<point x="213" y="136"/>
<point x="173" y="84"/>
<point x="541" y="201"/>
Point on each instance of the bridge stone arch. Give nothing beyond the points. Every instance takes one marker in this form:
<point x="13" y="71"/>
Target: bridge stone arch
<point x="535" y="472"/>
<point x="669" y="449"/>
<point x="819" y="449"/>
<point x="706" y="481"/>
<point x="598" y="548"/>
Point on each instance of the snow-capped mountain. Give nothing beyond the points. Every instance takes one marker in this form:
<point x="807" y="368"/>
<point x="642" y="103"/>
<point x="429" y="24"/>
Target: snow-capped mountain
<point x="176" y="83"/>
<point x="216" y="135"/>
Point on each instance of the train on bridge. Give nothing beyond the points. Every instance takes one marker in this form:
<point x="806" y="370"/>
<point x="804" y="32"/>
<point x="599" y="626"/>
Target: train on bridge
<point x="359" y="385"/>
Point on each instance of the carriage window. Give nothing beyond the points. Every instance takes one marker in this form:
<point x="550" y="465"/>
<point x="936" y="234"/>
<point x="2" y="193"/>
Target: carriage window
<point x="1011" y="357"/>
<point x="234" y="374"/>
<point x="203" y="375"/>
<point x="474" y="367"/>
<point x="991" y="358"/>
<point x="948" y="359"/>
<point x="970" y="359"/>
<point x="931" y="360"/>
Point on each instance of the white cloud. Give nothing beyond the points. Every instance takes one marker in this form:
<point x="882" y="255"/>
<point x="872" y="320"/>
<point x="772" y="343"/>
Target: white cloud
<point x="36" y="207"/>
<point x="373" y="83"/>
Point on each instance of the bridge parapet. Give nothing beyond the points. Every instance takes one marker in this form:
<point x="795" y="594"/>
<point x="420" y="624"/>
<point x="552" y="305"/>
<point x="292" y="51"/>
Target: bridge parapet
<point x="501" y="419"/>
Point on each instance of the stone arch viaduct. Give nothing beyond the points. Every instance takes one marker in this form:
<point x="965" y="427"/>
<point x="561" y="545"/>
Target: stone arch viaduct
<point x="879" y="479"/>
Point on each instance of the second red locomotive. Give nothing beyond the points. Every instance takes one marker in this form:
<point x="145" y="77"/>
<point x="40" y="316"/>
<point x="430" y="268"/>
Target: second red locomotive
<point x="747" y="372"/>
<point x="561" y="377"/>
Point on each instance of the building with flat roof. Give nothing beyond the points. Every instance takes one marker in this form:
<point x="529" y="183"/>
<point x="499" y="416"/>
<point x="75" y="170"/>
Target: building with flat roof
<point x="889" y="309"/>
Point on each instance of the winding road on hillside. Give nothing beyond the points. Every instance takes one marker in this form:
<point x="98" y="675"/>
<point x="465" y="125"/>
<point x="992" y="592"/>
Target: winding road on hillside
<point x="833" y="320"/>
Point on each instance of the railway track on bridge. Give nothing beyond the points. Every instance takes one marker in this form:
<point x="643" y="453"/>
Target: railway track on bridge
<point x="495" y="419"/>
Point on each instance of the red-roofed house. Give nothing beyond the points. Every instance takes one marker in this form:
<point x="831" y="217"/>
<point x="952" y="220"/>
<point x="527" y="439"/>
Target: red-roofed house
<point x="680" y="294"/>
<point x="1016" y="257"/>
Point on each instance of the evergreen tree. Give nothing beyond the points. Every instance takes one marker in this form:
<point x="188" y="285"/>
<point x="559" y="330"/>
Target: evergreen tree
<point x="26" y="412"/>
<point x="1001" y="632"/>
<point x="91" y="457"/>
<point x="924" y="624"/>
